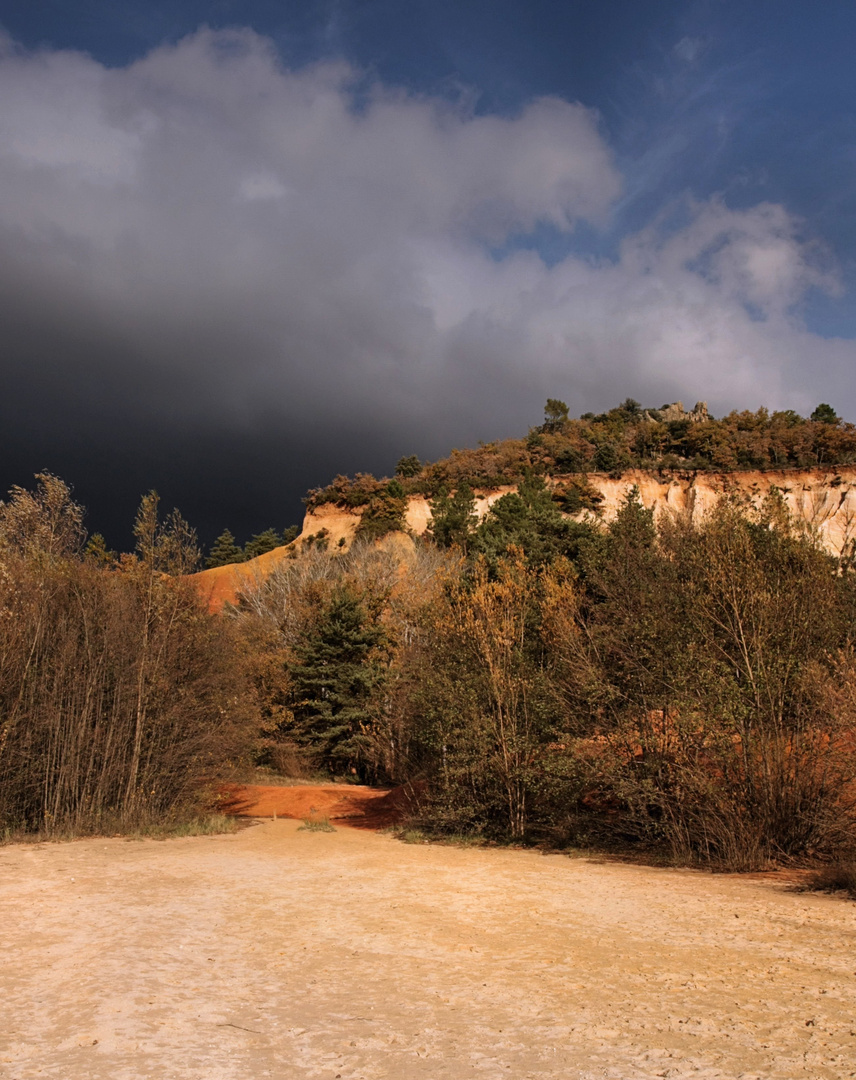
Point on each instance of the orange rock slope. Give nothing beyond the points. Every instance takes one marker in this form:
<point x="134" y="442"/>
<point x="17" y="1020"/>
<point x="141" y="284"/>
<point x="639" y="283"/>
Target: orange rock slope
<point x="824" y="498"/>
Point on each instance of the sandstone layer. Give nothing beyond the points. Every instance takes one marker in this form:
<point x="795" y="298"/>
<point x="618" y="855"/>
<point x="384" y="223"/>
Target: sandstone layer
<point x="823" y="498"/>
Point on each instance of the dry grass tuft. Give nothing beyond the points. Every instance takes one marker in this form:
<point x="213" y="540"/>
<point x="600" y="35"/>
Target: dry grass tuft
<point x="837" y="877"/>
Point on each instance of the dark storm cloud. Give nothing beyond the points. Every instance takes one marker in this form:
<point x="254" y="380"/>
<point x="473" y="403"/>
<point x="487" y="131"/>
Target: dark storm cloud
<point x="215" y="268"/>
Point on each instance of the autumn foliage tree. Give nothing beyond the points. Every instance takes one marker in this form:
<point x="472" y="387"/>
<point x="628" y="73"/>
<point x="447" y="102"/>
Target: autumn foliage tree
<point x="696" y="664"/>
<point x="120" y="696"/>
<point x="481" y="705"/>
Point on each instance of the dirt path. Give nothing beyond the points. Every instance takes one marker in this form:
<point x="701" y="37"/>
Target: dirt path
<point x="351" y="804"/>
<point x="297" y="955"/>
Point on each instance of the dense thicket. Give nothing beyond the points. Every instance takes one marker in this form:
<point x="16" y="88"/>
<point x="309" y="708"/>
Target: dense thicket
<point x="121" y="698"/>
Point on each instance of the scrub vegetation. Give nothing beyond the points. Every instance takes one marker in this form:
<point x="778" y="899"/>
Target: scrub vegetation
<point x="679" y="688"/>
<point x="668" y="439"/>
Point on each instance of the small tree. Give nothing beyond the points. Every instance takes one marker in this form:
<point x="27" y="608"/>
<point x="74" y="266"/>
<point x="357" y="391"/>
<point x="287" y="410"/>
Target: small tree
<point x="482" y="707"/>
<point x="46" y="521"/>
<point x="384" y="513"/>
<point x="337" y="671"/>
<point x="453" y="517"/>
<point x="530" y="520"/>
<point x="224" y="551"/>
<point x="261" y="543"/>
<point x="97" y="551"/>
<point x="408" y="466"/>
<point x="825" y="414"/>
<point x="555" y="415"/>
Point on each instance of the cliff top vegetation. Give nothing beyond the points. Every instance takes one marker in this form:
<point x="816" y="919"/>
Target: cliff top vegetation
<point x="668" y="439"/>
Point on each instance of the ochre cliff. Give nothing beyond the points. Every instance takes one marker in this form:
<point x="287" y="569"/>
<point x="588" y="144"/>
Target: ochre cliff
<point x="823" y="498"/>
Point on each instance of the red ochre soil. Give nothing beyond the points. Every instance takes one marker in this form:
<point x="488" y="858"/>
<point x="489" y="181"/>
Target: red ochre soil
<point x="359" y="807"/>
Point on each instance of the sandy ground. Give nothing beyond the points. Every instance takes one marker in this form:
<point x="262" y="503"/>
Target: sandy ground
<point x="287" y="954"/>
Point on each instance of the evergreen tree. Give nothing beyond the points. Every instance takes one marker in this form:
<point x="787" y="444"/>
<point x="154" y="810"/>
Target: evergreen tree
<point x="607" y="458"/>
<point x="336" y="674"/>
<point x="384" y="513"/>
<point x="290" y="534"/>
<point x="825" y="414"/>
<point x="555" y="415"/>
<point x="97" y="550"/>
<point x="224" y="551"/>
<point x="528" y="519"/>
<point x="261" y="543"/>
<point x="408" y="466"/>
<point x="453" y="517"/>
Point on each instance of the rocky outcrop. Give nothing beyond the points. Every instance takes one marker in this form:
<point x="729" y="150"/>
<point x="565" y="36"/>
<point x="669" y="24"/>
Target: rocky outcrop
<point x="676" y="411"/>
<point x="823" y="498"/>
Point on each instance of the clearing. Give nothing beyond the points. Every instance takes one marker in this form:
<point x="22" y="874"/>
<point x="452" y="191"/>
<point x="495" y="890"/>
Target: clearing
<point x="314" y="956"/>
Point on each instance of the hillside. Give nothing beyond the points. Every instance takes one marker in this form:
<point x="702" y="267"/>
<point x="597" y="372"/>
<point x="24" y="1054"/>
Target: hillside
<point x="680" y="460"/>
<point x="823" y="497"/>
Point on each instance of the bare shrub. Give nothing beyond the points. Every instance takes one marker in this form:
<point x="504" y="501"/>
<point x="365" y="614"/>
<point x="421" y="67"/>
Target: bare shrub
<point x="839" y="876"/>
<point x="290" y="760"/>
<point x="120" y="696"/>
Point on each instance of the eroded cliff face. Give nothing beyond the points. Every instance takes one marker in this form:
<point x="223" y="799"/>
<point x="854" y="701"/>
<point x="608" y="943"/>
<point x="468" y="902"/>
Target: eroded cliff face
<point x="823" y="498"/>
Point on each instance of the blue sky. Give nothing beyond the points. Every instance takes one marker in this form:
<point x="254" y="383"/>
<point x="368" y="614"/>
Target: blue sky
<point x="373" y="227"/>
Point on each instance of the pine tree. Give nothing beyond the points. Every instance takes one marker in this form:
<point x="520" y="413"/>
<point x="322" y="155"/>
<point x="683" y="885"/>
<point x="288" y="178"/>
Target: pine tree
<point x="825" y="414"/>
<point x="453" y="517"/>
<point x="262" y="543"/>
<point x="337" y="672"/>
<point x="97" y="550"/>
<point x="408" y="466"/>
<point x="528" y="519"/>
<point x="555" y="415"/>
<point x="384" y="513"/>
<point x="224" y="550"/>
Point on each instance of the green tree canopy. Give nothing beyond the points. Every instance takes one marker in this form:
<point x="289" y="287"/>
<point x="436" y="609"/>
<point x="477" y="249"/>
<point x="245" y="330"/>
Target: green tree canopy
<point x="528" y="519"/>
<point x="224" y="551"/>
<point x="336" y="674"/>
<point x="555" y="414"/>
<point x="261" y="543"/>
<point x="97" y="551"/>
<point x="825" y="414"/>
<point x="453" y="517"/>
<point x="408" y="466"/>
<point x="384" y="513"/>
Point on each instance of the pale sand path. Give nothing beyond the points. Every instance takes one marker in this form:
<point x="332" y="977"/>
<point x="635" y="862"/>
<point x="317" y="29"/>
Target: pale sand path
<point x="278" y="953"/>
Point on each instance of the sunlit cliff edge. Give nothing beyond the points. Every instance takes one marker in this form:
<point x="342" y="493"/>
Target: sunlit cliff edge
<point x="823" y="498"/>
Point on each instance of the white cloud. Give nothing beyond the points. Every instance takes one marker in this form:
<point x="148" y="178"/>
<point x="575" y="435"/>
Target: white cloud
<point x="54" y="117"/>
<point x="688" y="49"/>
<point x="298" y="243"/>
